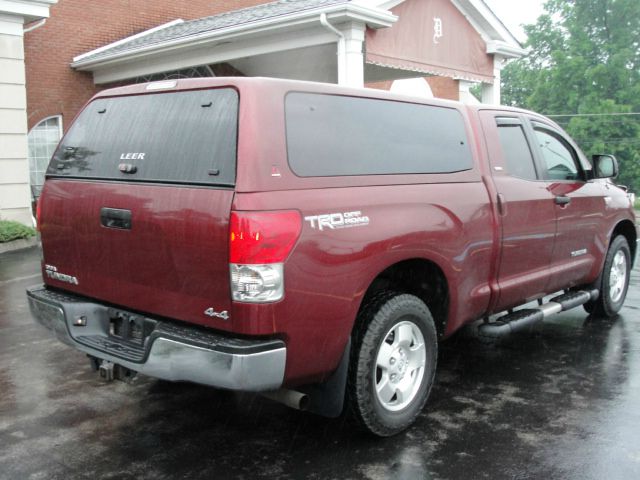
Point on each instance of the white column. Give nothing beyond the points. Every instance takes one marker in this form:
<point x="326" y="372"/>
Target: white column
<point x="465" y="94"/>
<point x="491" y="92"/>
<point x="351" y="57"/>
<point x="15" y="194"/>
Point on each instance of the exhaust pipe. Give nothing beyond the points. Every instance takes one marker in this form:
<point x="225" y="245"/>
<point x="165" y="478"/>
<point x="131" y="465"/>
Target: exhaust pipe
<point x="290" y="398"/>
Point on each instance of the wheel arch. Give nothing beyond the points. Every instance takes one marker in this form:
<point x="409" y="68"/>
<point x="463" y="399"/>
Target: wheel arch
<point x="627" y="229"/>
<point x="420" y="277"/>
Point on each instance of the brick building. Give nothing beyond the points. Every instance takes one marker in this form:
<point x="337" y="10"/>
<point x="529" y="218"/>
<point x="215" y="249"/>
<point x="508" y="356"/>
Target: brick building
<point x="85" y="46"/>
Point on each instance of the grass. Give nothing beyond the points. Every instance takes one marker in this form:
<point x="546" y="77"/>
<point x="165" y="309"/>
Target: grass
<point x="10" y="230"/>
<point x="637" y="204"/>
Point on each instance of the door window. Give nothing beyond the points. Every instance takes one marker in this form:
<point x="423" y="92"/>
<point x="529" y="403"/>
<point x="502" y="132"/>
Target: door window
<point x="517" y="154"/>
<point x="558" y="157"/>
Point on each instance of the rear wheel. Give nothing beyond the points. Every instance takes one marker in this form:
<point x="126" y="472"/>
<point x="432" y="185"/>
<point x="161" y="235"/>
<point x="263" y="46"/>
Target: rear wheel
<point x="614" y="280"/>
<point x="393" y="363"/>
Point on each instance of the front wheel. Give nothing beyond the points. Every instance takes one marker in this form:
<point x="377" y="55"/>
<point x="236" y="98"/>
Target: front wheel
<point x="393" y="363"/>
<point x="614" y="280"/>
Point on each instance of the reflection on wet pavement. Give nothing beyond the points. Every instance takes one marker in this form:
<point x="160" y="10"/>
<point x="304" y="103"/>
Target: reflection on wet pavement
<point x="562" y="403"/>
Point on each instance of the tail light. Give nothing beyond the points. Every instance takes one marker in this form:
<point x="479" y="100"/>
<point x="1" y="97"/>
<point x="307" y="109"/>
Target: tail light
<point x="259" y="244"/>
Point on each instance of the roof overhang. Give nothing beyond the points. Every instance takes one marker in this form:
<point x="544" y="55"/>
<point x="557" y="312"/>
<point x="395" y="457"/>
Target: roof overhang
<point x="297" y="30"/>
<point x="505" y="50"/>
<point x="281" y="39"/>
<point x="29" y="10"/>
<point x="499" y="40"/>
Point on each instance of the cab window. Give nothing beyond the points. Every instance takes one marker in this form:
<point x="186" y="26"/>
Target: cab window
<point x="515" y="149"/>
<point x="559" y="159"/>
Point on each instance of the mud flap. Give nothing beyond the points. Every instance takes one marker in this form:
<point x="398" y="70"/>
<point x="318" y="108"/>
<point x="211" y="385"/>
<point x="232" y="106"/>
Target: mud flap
<point x="327" y="398"/>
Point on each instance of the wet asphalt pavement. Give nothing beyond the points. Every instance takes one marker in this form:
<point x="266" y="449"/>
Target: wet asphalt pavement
<point x="560" y="404"/>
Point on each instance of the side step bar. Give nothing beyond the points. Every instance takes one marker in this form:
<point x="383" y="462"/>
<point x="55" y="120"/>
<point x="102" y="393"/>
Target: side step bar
<point x="527" y="318"/>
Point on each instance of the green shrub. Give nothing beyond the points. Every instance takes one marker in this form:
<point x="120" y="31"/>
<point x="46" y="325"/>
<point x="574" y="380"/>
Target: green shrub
<point x="10" y="230"/>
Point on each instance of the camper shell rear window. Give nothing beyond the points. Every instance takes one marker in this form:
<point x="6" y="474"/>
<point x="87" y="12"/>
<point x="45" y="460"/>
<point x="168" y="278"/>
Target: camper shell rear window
<point x="174" y="137"/>
<point x="332" y="135"/>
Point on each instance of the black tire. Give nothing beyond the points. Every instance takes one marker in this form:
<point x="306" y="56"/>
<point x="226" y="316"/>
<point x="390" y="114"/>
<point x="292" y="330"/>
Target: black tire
<point x="611" y="299"/>
<point x="383" y="316"/>
<point x="589" y="306"/>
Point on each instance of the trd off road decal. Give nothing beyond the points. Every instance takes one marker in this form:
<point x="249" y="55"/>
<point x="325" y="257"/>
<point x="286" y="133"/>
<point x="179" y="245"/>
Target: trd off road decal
<point x="336" y="221"/>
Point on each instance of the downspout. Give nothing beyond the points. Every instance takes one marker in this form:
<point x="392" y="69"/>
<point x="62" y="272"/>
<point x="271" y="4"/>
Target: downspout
<point x="34" y="26"/>
<point x="342" y="49"/>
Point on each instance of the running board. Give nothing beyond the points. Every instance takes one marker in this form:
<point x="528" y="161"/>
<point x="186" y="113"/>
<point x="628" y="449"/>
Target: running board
<point x="526" y="319"/>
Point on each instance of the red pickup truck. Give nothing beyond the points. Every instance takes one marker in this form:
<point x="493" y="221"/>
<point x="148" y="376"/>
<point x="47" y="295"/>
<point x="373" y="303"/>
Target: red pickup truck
<point x="316" y="242"/>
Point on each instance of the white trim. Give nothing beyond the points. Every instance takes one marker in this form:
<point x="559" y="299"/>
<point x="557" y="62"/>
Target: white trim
<point x="354" y="36"/>
<point x="481" y="17"/>
<point x="487" y="24"/>
<point x="477" y="27"/>
<point x="383" y="4"/>
<point x="35" y="26"/>
<point x="29" y="10"/>
<point x="128" y="39"/>
<point x="432" y="71"/>
<point x="465" y="94"/>
<point x="505" y="50"/>
<point x="372" y="17"/>
<point x="11" y="18"/>
<point x="350" y="57"/>
<point x="204" y="54"/>
<point x="491" y="93"/>
<point x="43" y="3"/>
<point x="11" y="25"/>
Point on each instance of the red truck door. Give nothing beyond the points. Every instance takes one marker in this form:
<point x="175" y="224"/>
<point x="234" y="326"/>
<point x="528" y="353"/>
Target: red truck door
<point x="580" y="205"/>
<point x="526" y="210"/>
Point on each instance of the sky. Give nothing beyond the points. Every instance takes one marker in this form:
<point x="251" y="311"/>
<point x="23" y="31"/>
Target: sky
<point x="514" y="13"/>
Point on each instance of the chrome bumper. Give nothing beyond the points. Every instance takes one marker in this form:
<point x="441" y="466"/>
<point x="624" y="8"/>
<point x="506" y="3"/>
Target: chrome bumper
<point x="171" y="351"/>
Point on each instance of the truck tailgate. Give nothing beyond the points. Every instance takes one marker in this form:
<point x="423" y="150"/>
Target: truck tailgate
<point x="172" y="260"/>
<point x="136" y="205"/>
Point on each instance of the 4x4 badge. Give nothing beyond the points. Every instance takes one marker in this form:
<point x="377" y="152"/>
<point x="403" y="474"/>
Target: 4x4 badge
<point x="210" y="312"/>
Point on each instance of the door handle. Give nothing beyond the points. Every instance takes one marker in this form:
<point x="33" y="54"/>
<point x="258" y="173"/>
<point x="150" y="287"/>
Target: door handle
<point x="115" y="218"/>
<point x="563" y="200"/>
<point x="502" y="208"/>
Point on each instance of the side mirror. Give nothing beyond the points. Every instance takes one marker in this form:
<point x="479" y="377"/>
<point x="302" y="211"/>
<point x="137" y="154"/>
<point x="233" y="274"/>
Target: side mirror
<point x="605" y="166"/>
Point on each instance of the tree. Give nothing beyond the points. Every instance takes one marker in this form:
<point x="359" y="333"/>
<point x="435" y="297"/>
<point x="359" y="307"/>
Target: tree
<point x="584" y="65"/>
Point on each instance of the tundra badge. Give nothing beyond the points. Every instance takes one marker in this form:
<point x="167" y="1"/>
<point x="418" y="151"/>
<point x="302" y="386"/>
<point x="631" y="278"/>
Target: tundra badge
<point x="52" y="272"/>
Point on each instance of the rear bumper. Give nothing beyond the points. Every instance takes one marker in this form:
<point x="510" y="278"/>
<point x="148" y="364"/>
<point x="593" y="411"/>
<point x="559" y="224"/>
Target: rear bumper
<point x="169" y="350"/>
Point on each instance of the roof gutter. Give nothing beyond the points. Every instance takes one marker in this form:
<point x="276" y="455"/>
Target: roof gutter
<point x="35" y="26"/>
<point x="505" y="50"/>
<point x="373" y="17"/>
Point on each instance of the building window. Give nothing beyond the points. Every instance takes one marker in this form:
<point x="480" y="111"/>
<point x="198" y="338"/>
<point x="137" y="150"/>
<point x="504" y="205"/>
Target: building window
<point x="43" y="140"/>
